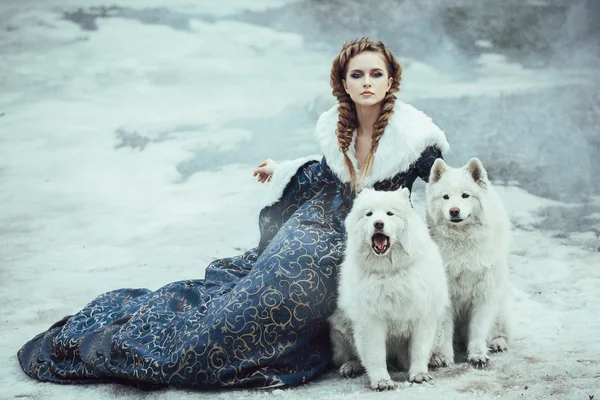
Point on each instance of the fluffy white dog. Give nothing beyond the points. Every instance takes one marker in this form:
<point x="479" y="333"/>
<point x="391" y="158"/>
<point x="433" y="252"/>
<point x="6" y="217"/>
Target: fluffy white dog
<point x="469" y="224"/>
<point x="392" y="290"/>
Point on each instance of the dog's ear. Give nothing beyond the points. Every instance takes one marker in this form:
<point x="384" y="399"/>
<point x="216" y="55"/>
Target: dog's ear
<point x="477" y="172"/>
<point x="437" y="170"/>
<point x="404" y="193"/>
<point x="350" y="220"/>
<point x="354" y="214"/>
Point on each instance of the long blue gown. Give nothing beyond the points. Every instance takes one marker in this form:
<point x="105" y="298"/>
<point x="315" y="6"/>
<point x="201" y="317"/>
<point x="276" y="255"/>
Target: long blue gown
<point x="258" y="319"/>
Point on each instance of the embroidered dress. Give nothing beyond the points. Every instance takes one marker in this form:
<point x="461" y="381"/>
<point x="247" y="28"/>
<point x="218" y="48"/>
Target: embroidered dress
<point x="258" y="319"/>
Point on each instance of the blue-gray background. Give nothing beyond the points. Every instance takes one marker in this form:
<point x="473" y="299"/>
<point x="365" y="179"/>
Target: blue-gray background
<point x="546" y="136"/>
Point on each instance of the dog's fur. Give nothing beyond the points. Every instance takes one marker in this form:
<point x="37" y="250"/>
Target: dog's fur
<point x="468" y="222"/>
<point x="389" y="304"/>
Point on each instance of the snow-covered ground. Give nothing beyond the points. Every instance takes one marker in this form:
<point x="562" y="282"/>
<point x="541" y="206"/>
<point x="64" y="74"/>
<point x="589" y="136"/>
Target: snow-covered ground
<point x="87" y="206"/>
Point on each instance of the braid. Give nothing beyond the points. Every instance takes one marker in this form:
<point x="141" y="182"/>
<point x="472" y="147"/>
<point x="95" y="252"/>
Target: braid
<point x="347" y="123"/>
<point x="387" y="107"/>
<point x="347" y="119"/>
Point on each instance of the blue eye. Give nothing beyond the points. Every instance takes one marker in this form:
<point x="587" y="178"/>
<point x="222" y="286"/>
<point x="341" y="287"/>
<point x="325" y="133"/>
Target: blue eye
<point x="378" y="74"/>
<point x="355" y="75"/>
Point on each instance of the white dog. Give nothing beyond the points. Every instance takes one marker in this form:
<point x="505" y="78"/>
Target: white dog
<point x="469" y="224"/>
<point x="392" y="290"/>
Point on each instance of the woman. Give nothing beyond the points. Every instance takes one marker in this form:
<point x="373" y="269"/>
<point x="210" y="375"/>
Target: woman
<point x="258" y="319"/>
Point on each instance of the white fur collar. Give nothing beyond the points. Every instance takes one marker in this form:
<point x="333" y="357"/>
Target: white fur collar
<point x="408" y="133"/>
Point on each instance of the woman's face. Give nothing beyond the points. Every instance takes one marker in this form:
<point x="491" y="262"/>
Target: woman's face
<point x="367" y="79"/>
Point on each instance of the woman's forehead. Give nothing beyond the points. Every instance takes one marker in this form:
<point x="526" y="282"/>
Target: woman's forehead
<point x="367" y="60"/>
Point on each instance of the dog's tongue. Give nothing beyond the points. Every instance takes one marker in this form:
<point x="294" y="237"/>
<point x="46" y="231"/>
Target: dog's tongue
<point x="380" y="242"/>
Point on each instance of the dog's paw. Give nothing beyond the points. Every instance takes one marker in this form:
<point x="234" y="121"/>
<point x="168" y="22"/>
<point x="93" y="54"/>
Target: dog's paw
<point x="478" y="360"/>
<point x="383" y="384"/>
<point x="498" y="344"/>
<point x="439" y="360"/>
<point x="419" y="377"/>
<point x="351" y="368"/>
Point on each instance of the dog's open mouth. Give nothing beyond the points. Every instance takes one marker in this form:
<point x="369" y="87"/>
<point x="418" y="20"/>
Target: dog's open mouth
<point x="381" y="243"/>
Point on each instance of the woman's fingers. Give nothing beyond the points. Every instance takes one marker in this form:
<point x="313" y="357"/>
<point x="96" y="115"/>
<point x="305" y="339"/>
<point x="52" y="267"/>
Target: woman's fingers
<point x="261" y="177"/>
<point x="264" y="171"/>
<point x="264" y="178"/>
<point x="260" y="169"/>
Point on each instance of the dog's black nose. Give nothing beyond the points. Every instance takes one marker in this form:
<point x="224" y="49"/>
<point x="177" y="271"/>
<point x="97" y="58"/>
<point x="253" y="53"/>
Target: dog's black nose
<point x="454" y="212"/>
<point x="378" y="225"/>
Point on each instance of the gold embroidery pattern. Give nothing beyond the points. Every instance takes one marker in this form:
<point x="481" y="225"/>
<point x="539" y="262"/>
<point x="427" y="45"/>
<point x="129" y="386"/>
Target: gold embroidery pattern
<point x="257" y="319"/>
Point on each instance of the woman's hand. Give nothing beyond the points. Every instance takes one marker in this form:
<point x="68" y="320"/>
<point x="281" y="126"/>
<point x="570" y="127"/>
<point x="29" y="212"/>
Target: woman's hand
<point x="265" y="170"/>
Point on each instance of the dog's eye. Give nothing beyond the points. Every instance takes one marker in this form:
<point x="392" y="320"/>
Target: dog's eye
<point x="446" y="197"/>
<point x="466" y="195"/>
<point x="390" y="213"/>
<point x="369" y="214"/>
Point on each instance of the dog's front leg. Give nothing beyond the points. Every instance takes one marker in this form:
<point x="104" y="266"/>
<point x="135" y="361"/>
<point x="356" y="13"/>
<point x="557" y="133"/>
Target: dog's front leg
<point x="501" y="330"/>
<point x="421" y="345"/>
<point x="482" y="318"/>
<point x="370" y="339"/>
<point x="443" y="349"/>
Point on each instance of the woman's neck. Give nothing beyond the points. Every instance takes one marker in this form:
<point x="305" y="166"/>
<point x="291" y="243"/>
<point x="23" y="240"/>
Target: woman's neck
<point x="367" y="116"/>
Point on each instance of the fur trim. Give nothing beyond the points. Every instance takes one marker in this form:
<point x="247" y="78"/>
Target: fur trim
<point x="408" y="133"/>
<point x="282" y="175"/>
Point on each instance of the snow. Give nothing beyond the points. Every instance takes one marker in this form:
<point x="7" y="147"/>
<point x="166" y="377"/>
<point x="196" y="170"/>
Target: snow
<point x="93" y="126"/>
